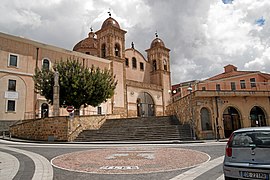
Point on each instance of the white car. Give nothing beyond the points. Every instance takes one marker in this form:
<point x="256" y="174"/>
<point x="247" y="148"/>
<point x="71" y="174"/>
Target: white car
<point x="248" y="154"/>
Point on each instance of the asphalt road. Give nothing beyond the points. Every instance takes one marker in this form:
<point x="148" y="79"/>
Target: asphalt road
<point x="34" y="160"/>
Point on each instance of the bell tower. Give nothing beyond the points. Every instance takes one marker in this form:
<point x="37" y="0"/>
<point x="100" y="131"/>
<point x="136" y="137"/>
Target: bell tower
<point x="159" y="58"/>
<point x="111" y="40"/>
<point x="111" y="46"/>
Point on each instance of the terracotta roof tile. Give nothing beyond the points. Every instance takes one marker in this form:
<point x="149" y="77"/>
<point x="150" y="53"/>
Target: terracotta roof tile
<point x="230" y="74"/>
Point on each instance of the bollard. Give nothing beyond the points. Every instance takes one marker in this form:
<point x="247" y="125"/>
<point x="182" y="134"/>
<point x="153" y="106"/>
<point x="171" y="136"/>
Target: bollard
<point x="3" y="134"/>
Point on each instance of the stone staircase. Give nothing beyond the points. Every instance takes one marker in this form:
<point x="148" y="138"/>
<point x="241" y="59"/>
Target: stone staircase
<point x="138" y="129"/>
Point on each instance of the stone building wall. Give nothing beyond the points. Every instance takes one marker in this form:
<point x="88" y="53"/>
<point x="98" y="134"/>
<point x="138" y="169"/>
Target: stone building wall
<point x="195" y="102"/>
<point x="57" y="128"/>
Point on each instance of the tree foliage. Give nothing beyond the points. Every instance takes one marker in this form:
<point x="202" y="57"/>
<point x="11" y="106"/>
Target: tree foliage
<point x="79" y="85"/>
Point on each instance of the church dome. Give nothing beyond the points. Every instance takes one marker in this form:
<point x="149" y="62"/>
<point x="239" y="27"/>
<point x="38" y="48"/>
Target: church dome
<point x="88" y="43"/>
<point x="157" y="43"/>
<point x="110" y="22"/>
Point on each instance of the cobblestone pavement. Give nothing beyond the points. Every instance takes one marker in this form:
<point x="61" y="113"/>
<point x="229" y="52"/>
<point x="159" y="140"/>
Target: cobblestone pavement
<point x="111" y="161"/>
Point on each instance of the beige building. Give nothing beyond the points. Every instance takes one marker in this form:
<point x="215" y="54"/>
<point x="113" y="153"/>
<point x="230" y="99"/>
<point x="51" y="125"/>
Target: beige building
<point x="142" y="88"/>
<point x="230" y="100"/>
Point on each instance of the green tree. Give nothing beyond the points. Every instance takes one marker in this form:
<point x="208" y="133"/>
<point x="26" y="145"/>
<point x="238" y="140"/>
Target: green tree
<point x="79" y="85"/>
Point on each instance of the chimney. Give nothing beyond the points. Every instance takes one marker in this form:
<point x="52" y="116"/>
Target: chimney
<point x="230" y="68"/>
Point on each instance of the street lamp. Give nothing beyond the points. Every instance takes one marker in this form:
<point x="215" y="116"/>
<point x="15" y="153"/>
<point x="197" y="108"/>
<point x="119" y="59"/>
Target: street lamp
<point x="191" y="109"/>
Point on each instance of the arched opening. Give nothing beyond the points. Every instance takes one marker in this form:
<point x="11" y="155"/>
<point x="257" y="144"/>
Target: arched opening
<point x="154" y="65"/>
<point x="205" y="120"/>
<point x="117" y="50"/>
<point x="134" y="63"/>
<point x="46" y="64"/>
<point x="165" y="65"/>
<point x="44" y="110"/>
<point x="103" y="50"/>
<point x="145" y="105"/>
<point x="257" y="117"/>
<point x="231" y="120"/>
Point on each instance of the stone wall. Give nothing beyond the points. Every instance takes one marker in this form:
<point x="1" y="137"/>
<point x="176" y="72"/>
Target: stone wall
<point x="183" y="107"/>
<point x="56" y="128"/>
<point x="122" y="112"/>
<point x="42" y="129"/>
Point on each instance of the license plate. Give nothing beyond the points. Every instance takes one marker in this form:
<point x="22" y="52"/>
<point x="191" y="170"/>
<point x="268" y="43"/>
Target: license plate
<point x="254" y="175"/>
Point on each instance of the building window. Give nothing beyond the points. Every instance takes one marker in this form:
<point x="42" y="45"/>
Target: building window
<point x="165" y="65"/>
<point x="218" y="87"/>
<point x="99" y="110"/>
<point x="204" y="88"/>
<point x="87" y="53"/>
<point x="46" y="64"/>
<point x="11" y="85"/>
<point x="134" y="63"/>
<point x="117" y="50"/>
<point x="103" y="50"/>
<point x="233" y="87"/>
<point x="141" y="66"/>
<point x="13" y="60"/>
<point x="127" y="62"/>
<point x="243" y="84"/>
<point x="154" y="65"/>
<point x="44" y="110"/>
<point x="11" y="105"/>
<point x="205" y="119"/>
<point x="252" y="82"/>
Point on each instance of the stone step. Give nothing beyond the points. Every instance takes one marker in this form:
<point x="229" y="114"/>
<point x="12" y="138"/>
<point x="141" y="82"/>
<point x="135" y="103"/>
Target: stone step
<point x="150" y="129"/>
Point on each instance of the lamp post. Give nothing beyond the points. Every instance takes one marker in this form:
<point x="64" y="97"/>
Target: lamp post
<point x="191" y="109"/>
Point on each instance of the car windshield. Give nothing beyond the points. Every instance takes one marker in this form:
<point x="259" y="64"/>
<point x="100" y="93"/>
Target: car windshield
<point x="251" y="139"/>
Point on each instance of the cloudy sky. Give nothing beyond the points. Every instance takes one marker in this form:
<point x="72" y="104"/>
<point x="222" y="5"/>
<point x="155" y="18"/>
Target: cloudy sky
<point x="203" y="35"/>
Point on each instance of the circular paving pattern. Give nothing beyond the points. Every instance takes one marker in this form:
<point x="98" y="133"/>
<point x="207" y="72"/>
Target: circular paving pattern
<point x="134" y="160"/>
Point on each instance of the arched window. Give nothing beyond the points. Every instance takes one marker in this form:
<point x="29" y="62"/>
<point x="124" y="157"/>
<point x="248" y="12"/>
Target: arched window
<point x="46" y="64"/>
<point x="103" y="50"/>
<point x="134" y="63"/>
<point x="205" y="120"/>
<point x="154" y="65"/>
<point x="117" y="50"/>
<point x="127" y="62"/>
<point x="165" y="65"/>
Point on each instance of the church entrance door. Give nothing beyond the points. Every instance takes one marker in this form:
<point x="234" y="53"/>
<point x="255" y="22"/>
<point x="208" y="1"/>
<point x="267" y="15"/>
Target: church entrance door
<point x="145" y="105"/>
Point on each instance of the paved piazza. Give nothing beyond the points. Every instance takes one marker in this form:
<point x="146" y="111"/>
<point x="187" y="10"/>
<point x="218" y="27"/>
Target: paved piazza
<point x="131" y="160"/>
<point x="111" y="161"/>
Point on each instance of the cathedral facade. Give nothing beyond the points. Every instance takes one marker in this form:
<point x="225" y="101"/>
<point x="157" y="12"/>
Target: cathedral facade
<point x="143" y="83"/>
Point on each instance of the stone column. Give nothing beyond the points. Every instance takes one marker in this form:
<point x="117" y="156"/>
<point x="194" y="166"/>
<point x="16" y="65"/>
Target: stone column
<point x="56" y="92"/>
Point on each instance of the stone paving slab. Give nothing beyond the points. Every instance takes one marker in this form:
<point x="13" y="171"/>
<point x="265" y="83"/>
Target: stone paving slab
<point x="9" y="166"/>
<point x="43" y="168"/>
<point x="132" y="160"/>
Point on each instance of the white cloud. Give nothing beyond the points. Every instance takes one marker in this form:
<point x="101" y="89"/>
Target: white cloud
<point x="28" y="18"/>
<point x="203" y="35"/>
<point x="260" y="63"/>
